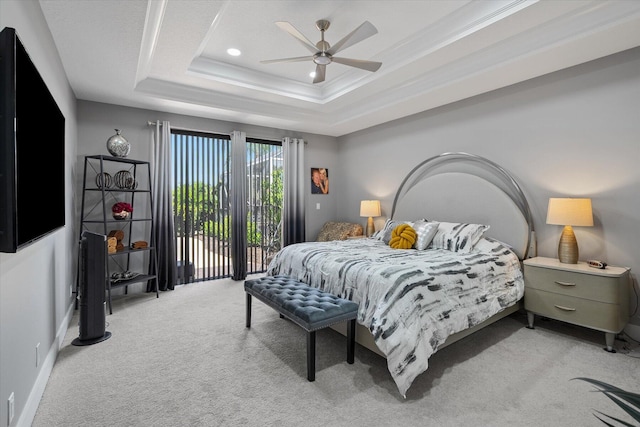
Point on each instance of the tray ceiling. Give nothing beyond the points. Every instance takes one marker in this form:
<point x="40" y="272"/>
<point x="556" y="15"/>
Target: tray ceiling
<point x="170" y="55"/>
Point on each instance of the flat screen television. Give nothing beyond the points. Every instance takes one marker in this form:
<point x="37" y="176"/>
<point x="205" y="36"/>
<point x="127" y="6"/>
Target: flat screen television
<point x="32" y="146"/>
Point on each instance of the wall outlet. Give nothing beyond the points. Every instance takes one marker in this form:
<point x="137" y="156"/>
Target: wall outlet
<point x="11" y="404"/>
<point x="37" y="354"/>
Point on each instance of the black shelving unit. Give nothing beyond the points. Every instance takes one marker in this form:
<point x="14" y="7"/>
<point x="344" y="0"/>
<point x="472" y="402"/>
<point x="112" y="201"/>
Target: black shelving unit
<point x="108" y="180"/>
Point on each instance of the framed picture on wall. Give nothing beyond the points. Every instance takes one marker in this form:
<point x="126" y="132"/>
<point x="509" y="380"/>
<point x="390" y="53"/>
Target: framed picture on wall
<point x="319" y="181"/>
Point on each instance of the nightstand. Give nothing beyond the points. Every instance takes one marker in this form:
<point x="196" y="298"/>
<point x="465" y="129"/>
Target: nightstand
<point x="578" y="294"/>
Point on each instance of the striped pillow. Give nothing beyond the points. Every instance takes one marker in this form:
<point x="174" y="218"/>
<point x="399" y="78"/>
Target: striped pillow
<point x="458" y="237"/>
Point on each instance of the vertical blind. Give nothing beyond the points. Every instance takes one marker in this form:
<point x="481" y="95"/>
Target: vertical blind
<point x="264" y="198"/>
<point x="202" y="204"/>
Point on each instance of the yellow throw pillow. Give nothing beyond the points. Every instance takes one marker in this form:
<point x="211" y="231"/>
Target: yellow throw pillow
<point x="403" y="237"/>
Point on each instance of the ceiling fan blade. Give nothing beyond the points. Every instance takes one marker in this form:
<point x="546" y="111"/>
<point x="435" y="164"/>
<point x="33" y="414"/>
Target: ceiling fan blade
<point x="365" y="30"/>
<point x="359" y="63"/>
<point x="296" y="59"/>
<point x="286" y="26"/>
<point x="320" y="73"/>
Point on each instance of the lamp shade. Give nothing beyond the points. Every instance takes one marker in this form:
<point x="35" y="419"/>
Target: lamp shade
<point x="566" y="211"/>
<point x="569" y="212"/>
<point x="370" y="208"/>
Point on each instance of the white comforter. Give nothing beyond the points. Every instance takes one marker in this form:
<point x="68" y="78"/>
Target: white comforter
<point x="410" y="300"/>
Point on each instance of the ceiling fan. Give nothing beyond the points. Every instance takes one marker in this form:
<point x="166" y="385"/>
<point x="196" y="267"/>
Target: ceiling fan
<point x="323" y="52"/>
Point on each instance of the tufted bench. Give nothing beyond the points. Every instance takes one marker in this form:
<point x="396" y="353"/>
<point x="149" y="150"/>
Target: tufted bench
<point x="308" y="307"/>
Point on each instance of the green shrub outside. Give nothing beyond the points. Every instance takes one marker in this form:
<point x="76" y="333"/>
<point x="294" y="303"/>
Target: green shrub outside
<point x="221" y="231"/>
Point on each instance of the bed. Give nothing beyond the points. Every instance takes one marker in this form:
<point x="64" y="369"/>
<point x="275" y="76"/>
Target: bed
<point x="472" y="227"/>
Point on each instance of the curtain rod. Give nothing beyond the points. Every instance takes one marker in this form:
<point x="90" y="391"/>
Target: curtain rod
<point x="150" y="123"/>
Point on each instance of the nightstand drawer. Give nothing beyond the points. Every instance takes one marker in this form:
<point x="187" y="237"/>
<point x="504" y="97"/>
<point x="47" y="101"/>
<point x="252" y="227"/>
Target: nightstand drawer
<point x="586" y="286"/>
<point x="579" y="311"/>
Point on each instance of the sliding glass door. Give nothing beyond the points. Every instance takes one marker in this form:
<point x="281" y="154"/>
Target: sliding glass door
<point x="264" y="194"/>
<point x="201" y="200"/>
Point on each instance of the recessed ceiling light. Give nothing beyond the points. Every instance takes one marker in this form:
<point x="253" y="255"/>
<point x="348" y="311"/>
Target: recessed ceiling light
<point x="312" y="74"/>
<point x="233" y="51"/>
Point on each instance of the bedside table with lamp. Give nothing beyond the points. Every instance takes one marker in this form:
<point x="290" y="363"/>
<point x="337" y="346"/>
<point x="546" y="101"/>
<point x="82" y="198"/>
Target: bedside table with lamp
<point x="571" y="291"/>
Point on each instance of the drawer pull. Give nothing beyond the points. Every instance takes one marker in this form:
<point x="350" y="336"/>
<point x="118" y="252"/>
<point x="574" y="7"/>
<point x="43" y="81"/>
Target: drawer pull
<point x="565" y="283"/>
<point x="565" y="308"/>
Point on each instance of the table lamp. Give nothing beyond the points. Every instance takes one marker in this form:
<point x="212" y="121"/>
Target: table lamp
<point x="370" y="208"/>
<point x="569" y="212"/>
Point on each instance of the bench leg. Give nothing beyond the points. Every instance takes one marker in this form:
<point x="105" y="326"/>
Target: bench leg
<point x="311" y="356"/>
<point x="351" y="339"/>
<point x="248" y="310"/>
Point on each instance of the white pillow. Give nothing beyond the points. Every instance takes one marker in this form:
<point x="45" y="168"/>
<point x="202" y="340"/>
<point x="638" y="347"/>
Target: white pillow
<point x="457" y="236"/>
<point x="425" y="230"/>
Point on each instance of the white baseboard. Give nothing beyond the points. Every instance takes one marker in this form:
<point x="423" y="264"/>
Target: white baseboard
<point x="31" y="407"/>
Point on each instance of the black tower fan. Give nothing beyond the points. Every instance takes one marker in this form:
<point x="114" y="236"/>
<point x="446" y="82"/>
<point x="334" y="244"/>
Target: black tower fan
<point x="93" y="274"/>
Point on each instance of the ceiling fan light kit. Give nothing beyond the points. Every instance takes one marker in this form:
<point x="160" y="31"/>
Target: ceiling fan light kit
<point x="323" y="52"/>
<point x="322" y="59"/>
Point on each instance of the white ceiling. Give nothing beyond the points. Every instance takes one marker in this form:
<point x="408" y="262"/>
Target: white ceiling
<point x="170" y="55"/>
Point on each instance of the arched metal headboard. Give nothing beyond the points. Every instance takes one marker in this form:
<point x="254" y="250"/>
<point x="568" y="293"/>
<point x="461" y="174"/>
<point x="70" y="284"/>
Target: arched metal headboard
<point x="492" y="173"/>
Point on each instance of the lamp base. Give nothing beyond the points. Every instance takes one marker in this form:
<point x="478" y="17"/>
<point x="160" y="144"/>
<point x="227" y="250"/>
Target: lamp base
<point x="568" y="246"/>
<point x="370" y="227"/>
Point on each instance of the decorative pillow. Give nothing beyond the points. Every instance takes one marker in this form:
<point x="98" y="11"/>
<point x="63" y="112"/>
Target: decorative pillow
<point x="458" y="237"/>
<point x="403" y="237"/>
<point x="426" y="231"/>
<point x="385" y="233"/>
<point x="380" y="233"/>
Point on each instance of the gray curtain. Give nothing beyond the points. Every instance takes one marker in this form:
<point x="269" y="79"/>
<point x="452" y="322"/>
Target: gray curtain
<point x="238" y="205"/>
<point x="162" y="233"/>
<point x="295" y="180"/>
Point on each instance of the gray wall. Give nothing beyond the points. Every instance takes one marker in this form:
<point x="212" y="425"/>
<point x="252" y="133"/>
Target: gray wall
<point x="573" y="133"/>
<point x="35" y="283"/>
<point x="96" y="123"/>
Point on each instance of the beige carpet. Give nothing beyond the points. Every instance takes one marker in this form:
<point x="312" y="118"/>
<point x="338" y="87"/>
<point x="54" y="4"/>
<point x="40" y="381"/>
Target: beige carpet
<point x="186" y="359"/>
